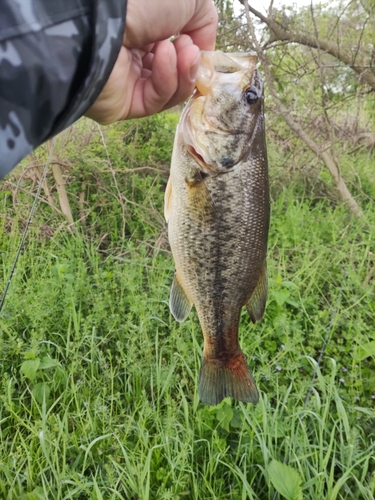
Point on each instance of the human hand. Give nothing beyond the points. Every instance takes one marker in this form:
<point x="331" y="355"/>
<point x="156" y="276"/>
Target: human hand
<point x="153" y="73"/>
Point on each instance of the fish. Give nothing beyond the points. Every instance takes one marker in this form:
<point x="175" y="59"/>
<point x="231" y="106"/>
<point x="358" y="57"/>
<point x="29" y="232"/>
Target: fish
<point x="217" y="208"/>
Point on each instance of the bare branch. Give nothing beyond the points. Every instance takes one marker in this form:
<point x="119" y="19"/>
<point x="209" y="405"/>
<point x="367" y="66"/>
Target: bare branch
<point x="286" y="114"/>
<point x="332" y="48"/>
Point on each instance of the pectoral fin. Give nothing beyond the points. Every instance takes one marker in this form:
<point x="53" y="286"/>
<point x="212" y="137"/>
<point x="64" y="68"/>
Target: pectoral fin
<point x="168" y="200"/>
<point x="257" y="302"/>
<point x="179" y="304"/>
<point x="200" y="198"/>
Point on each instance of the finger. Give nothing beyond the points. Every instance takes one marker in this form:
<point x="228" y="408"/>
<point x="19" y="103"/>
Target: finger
<point x="181" y="42"/>
<point x="152" y="94"/>
<point x="145" y="73"/>
<point x="188" y="59"/>
<point x="147" y="61"/>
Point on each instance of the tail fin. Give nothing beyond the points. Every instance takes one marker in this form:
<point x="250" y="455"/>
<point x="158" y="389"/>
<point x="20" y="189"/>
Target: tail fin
<point x="230" y="378"/>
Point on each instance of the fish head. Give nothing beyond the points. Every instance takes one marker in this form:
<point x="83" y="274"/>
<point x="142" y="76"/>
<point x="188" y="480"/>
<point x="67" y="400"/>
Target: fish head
<point x="221" y="119"/>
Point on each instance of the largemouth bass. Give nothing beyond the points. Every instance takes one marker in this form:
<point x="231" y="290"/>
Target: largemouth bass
<point x="217" y="209"/>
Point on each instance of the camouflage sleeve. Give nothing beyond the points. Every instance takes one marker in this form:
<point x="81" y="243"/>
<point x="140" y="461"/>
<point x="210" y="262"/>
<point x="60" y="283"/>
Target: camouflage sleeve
<point x="55" y="57"/>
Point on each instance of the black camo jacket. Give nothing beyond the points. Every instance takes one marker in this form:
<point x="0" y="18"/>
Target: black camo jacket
<point x="55" y="57"/>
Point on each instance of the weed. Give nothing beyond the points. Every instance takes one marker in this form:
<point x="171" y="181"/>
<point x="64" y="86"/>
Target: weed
<point x="98" y="395"/>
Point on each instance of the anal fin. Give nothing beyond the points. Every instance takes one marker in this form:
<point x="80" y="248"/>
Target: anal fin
<point x="179" y="304"/>
<point x="257" y="302"/>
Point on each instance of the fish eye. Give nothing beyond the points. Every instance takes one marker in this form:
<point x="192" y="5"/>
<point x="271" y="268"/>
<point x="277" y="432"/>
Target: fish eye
<point x="251" y="95"/>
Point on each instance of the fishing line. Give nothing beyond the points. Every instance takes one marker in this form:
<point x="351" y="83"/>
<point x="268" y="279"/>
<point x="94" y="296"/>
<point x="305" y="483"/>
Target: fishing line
<point x="20" y="246"/>
<point x="307" y="399"/>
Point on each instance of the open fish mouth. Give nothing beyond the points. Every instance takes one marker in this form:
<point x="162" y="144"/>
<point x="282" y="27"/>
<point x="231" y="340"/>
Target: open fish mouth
<point x="202" y="157"/>
<point x="219" y="121"/>
<point x="199" y="151"/>
<point x="190" y="133"/>
<point x="199" y="112"/>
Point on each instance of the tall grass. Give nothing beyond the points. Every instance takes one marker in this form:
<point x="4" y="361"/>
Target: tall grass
<point x="98" y="394"/>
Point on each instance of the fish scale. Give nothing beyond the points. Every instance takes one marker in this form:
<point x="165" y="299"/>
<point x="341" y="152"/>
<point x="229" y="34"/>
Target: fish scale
<point x="218" y="218"/>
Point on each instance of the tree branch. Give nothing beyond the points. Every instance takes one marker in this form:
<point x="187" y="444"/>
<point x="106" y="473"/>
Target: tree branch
<point x="332" y="48"/>
<point x="285" y="113"/>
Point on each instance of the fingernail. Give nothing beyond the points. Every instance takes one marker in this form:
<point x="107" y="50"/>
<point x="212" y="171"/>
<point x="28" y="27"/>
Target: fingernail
<point x="194" y="68"/>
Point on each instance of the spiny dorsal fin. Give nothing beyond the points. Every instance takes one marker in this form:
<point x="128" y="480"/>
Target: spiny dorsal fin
<point x="257" y="302"/>
<point x="168" y="200"/>
<point x="179" y="304"/>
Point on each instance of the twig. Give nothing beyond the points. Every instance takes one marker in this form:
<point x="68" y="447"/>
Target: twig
<point x="286" y="114"/>
<point x="306" y="39"/>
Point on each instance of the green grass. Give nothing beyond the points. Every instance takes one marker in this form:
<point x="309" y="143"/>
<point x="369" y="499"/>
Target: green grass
<point x="98" y="394"/>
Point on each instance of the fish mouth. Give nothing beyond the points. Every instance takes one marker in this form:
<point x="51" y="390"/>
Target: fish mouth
<point x="196" y="150"/>
<point x="193" y="148"/>
<point x="208" y="123"/>
<point x="212" y="124"/>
